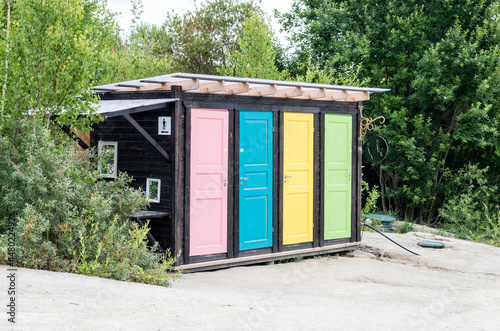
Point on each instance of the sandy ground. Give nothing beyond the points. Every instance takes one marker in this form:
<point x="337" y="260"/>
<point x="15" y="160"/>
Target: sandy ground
<point x="380" y="287"/>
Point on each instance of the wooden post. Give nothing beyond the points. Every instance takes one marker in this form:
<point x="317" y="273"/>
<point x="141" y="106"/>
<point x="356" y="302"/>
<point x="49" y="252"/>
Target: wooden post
<point x="321" y="188"/>
<point x="177" y="177"/>
<point x="317" y="186"/>
<point x="359" y="145"/>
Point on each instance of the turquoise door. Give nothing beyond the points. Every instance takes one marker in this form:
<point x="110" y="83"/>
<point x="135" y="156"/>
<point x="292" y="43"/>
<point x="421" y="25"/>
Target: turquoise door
<point x="255" y="180"/>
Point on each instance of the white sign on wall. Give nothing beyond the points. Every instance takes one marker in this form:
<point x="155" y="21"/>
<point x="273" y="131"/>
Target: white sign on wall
<point x="108" y="157"/>
<point x="164" y="125"/>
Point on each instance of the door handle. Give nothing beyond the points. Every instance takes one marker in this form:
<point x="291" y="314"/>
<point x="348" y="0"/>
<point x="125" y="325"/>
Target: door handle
<point x="224" y="179"/>
<point x="287" y="176"/>
<point x="349" y="177"/>
<point x="242" y="179"/>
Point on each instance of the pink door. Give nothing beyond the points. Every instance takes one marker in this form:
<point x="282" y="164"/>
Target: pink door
<point x="208" y="201"/>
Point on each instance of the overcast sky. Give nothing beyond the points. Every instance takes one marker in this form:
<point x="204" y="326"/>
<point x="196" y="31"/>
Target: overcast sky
<point x="155" y="11"/>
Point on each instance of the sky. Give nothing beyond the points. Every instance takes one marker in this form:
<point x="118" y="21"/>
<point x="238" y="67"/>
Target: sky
<point x="155" y="11"/>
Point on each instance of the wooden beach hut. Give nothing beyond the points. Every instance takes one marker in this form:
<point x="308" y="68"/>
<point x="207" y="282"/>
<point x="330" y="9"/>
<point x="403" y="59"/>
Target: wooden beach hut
<point x="238" y="170"/>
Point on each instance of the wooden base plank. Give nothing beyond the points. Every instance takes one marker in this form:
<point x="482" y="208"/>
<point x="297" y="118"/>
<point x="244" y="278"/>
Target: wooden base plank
<point x="245" y="260"/>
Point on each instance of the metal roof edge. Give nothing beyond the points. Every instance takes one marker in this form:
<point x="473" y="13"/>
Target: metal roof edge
<point x="137" y="109"/>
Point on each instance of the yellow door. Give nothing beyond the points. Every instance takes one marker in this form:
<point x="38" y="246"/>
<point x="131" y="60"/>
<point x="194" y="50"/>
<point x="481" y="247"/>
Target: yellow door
<point x="298" y="165"/>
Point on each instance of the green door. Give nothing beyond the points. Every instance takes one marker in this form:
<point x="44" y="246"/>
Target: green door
<point x="338" y="176"/>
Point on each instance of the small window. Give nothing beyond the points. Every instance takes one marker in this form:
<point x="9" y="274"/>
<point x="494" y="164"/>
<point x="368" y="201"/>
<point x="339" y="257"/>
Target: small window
<point x="153" y="187"/>
<point x="108" y="156"/>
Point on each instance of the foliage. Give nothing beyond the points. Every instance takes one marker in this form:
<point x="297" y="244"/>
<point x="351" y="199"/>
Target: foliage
<point x="136" y="58"/>
<point x="53" y="51"/>
<point x="370" y="201"/>
<point x="472" y="211"/>
<point x="441" y="61"/>
<point x="406" y="227"/>
<point x="67" y="218"/>
<point x="312" y="72"/>
<point x="203" y="41"/>
<point x="255" y="56"/>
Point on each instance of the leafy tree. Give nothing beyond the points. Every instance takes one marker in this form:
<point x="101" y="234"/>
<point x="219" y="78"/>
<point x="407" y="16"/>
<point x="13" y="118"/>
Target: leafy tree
<point x="255" y="56"/>
<point x="441" y="61"/>
<point x="137" y="57"/>
<point x="202" y="41"/>
<point x="53" y="52"/>
<point x="64" y="216"/>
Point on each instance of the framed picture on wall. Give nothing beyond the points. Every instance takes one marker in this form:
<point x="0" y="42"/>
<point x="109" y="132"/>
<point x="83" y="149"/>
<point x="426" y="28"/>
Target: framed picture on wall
<point x="153" y="188"/>
<point x="108" y="156"/>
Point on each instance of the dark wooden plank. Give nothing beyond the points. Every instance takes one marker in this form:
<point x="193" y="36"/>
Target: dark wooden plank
<point x="258" y="251"/>
<point x="337" y="241"/>
<point x="187" y="176"/>
<point x="208" y="258"/>
<point x="253" y="259"/>
<point x="230" y="190"/>
<point x="135" y="95"/>
<point x="147" y="136"/>
<point x="297" y="109"/>
<point x="359" y="155"/>
<point x="292" y="247"/>
<point x="277" y="180"/>
<point x="177" y="178"/>
<point x="144" y="214"/>
<point x="316" y="182"/>
<point x="236" y="232"/>
<point x="322" y="181"/>
<point x="280" y="180"/>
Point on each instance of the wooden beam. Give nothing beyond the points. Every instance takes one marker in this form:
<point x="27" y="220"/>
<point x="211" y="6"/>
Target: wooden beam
<point x="315" y="94"/>
<point x="211" y="87"/>
<point x="289" y="92"/>
<point x="359" y="96"/>
<point x="190" y="84"/>
<point x="336" y="95"/>
<point x="226" y="263"/>
<point x="263" y="90"/>
<point x="177" y="176"/>
<point x="143" y="88"/>
<point x="125" y="84"/>
<point x="187" y="85"/>
<point x="147" y="136"/>
<point x="76" y="139"/>
<point x="237" y="88"/>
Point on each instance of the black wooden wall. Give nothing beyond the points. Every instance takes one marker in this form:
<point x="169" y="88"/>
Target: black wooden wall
<point x="140" y="160"/>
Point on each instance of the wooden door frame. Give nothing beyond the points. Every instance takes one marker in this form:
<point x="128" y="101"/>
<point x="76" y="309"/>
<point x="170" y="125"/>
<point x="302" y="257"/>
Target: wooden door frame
<point x="187" y="193"/>
<point x="315" y="242"/>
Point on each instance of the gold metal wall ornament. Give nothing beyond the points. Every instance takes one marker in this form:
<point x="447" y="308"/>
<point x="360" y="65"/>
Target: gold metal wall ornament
<point x="367" y="123"/>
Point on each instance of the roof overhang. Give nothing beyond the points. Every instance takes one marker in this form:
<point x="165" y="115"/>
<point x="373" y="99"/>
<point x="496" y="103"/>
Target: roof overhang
<point x="114" y="108"/>
<point x="243" y="86"/>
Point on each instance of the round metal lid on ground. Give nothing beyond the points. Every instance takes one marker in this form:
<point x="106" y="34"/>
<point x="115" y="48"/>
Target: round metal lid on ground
<point x="431" y="244"/>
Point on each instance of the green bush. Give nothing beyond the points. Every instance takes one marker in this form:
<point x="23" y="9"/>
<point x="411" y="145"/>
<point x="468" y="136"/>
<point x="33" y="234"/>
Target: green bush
<point x="472" y="212"/>
<point x="67" y="218"/>
<point x="370" y="201"/>
<point x="406" y="227"/>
